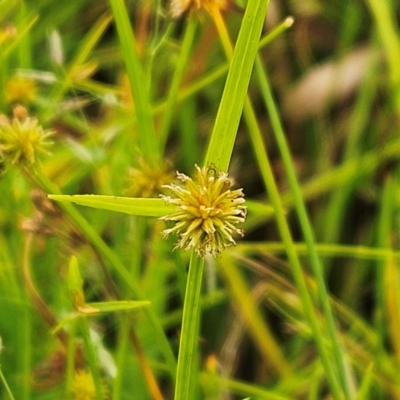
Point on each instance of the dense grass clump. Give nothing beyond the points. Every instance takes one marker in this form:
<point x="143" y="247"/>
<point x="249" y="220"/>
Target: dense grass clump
<point x="199" y="200"/>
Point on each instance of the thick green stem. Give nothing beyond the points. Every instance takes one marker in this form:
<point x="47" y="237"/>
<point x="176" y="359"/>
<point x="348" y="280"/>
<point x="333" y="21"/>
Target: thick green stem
<point x="187" y="371"/>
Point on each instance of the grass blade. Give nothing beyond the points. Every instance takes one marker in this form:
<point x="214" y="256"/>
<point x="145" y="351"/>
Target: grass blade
<point x="230" y="110"/>
<point x="128" y="205"/>
<point x="147" y="137"/>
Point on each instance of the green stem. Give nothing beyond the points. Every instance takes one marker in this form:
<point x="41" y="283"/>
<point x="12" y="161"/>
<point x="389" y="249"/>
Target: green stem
<point x="115" y="262"/>
<point x="25" y="46"/>
<point x="186" y="375"/>
<point x="8" y="390"/>
<point x="221" y="70"/>
<point x="91" y="357"/>
<point x="71" y="357"/>
<point x="186" y="48"/>
<point x="387" y="29"/>
<point x="148" y="142"/>
<point x="306" y="228"/>
<point x="121" y="357"/>
<point x="356" y="168"/>
<point x="352" y="150"/>
<point x="324" y="249"/>
<point x="283" y="226"/>
<point x="26" y="328"/>
<point x="383" y="229"/>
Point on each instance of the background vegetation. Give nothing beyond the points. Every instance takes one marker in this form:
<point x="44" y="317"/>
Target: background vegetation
<point x="306" y="306"/>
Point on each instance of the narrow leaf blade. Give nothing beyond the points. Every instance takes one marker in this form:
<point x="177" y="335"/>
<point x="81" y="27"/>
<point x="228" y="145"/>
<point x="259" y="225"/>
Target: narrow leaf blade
<point x="237" y="82"/>
<point x="127" y="205"/>
<point x="122" y="305"/>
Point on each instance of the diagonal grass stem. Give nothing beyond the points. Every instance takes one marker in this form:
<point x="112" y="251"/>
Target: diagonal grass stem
<point x="305" y="224"/>
<point x="148" y="142"/>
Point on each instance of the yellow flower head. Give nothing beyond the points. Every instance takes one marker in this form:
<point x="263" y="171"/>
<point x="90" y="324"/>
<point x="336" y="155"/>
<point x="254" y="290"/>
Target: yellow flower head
<point x="178" y="7"/>
<point x="207" y="211"/>
<point x="146" y="180"/>
<point x="21" y="138"/>
<point x="19" y="89"/>
<point x="83" y="386"/>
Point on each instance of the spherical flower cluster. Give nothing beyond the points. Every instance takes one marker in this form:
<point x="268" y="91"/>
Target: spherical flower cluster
<point x="206" y="211"/>
<point x="146" y="180"/>
<point x="178" y="7"/>
<point x="21" y="90"/>
<point x="22" y="138"/>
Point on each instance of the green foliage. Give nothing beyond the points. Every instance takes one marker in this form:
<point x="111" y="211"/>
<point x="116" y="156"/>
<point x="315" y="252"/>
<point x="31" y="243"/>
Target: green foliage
<point x="302" y="113"/>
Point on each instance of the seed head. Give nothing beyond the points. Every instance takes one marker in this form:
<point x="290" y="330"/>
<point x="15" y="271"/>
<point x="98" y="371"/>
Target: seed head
<point x="22" y="138"/>
<point x="206" y="211"/>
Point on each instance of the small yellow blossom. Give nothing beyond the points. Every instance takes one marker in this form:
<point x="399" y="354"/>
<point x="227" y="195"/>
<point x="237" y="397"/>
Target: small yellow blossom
<point x="146" y="180"/>
<point x="8" y="33"/>
<point x="21" y="138"/>
<point x="178" y="7"/>
<point x="19" y="89"/>
<point x="207" y="211"/>
<point x="83" y="386"/>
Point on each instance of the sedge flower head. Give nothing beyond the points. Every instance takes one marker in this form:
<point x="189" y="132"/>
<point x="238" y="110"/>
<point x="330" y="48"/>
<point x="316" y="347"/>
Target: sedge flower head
<point x="207" y="211"/>
<point x="83" y="386"/>
<point x="22" y="90"/>
<point x="22" y="138"/>
<point x="146" y="180"/>
<point x="179" y="7"/>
